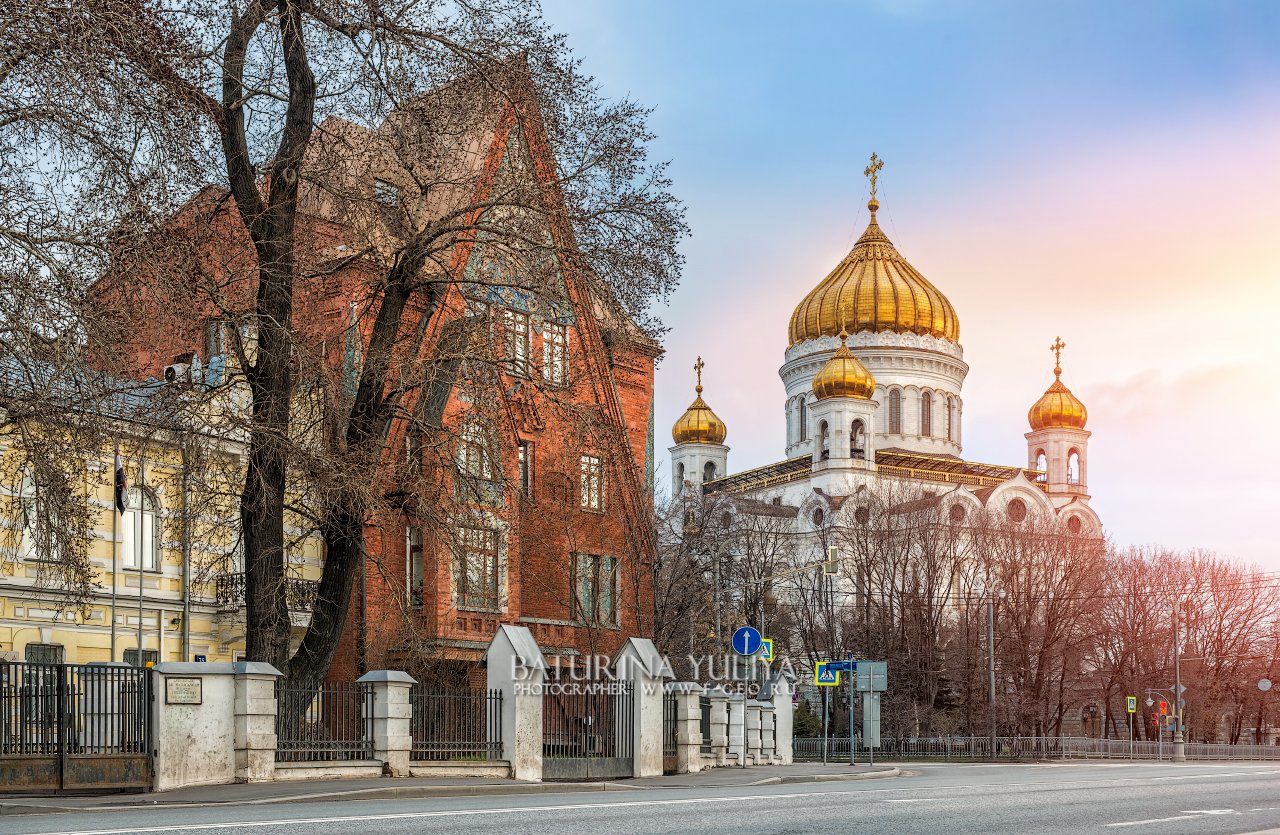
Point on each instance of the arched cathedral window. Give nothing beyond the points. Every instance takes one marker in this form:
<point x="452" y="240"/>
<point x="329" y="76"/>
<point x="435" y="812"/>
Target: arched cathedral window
<point x="895" y="412"/>
<point x="951" y="419"/>
<point x="1073" y="467"/>
<point x="823" y="433"/>
<point x="926" y="414"/>
<point x="857" y="440"/>
<point x="804" y="419"/>
<point x="709" y="471"/>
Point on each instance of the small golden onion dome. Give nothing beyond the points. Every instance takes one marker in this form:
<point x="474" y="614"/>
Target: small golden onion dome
<point x="698" y="424"/>
<point x="881" y="291"/>
<point x="1058" y="408"/>
<point x="844" y="375"/>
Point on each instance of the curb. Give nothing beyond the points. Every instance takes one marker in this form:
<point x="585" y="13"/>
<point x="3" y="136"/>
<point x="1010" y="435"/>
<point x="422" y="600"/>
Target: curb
<point x="414" y="792"/>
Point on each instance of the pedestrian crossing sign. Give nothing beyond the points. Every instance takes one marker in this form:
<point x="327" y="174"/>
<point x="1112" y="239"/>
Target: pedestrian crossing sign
<point x="766" y="649"/>
<point x="1131" y="704"/>
<point x="824" y="676"/>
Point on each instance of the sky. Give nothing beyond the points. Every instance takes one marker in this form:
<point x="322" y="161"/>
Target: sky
<point x="1104" y="172"/>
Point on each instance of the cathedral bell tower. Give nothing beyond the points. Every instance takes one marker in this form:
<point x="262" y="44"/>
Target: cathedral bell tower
<point x="843" y="410"/>
<point x="699" y="454"/>
<point x="1058" y="444"/>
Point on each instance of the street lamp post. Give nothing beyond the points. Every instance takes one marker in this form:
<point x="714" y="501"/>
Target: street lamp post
<point x="1179" y="746"/>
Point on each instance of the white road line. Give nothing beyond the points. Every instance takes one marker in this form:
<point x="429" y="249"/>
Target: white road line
<point x="908" y="799"/>
<point x="1154" y="820"/>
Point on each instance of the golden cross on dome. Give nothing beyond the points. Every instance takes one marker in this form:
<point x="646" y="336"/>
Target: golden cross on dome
<point x="872" y="171"/>
<point x="1057" y="347"/>
<point x="697" y="367"/>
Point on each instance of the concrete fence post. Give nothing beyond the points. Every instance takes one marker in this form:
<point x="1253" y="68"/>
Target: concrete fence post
<point x="688" y="698"/>
<point x="640" y="663"/>
<point x="515" y="666"/>
<point x="194" y="722"/>
<point x="388" y="727"/>
<point x="719" y="724"/>
<point x="255" y="721"/>
<point x="737" y="728"/>
<point x="780" y="690"/>
<point x="767" y="739"/>
<point x="753" y="732"/>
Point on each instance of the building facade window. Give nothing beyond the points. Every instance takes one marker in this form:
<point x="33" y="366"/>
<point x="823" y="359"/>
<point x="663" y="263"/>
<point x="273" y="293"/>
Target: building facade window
<point x="555" y="354"/>
<point x="477" y="576"/>
<point x="709" y="471"/>
<point x="1017" y="510"/>
<point x="895" y="412"/>
<point x="591" y="482"/>
<point x="595" y="589"/>
<point x="1073" y="467"/>
<point x="804" y="419"/>
<point x="926" y="414"/>
<point x="951" y="419"/>
<point x="473" y="452"/>
<point x="140" y="532"/>
<point x="43" y="654"/>
<point x="519" y="343"/>
<point x="413" y="565"/>
<point x="385" y="193"/>
<point x="524" y="453"/>
<point x="857" y="440"/>
<point x="149" y="657"/>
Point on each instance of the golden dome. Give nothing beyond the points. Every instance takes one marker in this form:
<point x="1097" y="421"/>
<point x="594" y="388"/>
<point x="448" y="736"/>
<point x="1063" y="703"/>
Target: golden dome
<point x="879" y="291"/>
<point x="698" y="424"/>
<point x="844" y="375"/>
<point x="1058" y="408"/>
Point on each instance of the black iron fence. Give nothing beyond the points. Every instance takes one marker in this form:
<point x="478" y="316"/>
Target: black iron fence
<point x="704" y="724"/>
<point x="455" y="723"/>
<point x="670" y="725"/>
<point x="587" y="720"/>
<point x="328" y="724"/>
<point x="65" y="726"/>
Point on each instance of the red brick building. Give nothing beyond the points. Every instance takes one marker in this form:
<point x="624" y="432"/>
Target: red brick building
<point x="516" y="480"/>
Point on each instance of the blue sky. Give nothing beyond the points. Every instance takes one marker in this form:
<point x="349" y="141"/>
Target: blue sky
<point x="1104" y="171"/>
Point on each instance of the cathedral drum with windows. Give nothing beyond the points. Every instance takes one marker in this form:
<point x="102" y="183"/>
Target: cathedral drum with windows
<point x="873" y="374"/>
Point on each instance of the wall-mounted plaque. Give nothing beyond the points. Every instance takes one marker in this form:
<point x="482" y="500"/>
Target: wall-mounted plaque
<point x="183" y="691"/>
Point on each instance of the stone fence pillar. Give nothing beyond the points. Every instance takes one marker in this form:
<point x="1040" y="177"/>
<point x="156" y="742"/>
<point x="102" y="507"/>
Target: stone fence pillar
<point x="780" y="690"/>
<point x="688" y="697"/>
<point x="737" y="728"/>
<point x="255" y="721"/>
<point x="753" y="732"/>
<point x="193" y="718"/>
<point x="640" y="663"/>
<point x="515" y="666"/>
<point x="388" y="727"/>
<point x="719" y="724"/>
<point x="767" y="730"/>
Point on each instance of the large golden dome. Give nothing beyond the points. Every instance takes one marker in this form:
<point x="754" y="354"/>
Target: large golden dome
<point x="698" y="424"/>
<point x="1058" y="408"/>
<point x="876" y="290"/>
<point x="844" y="375"/>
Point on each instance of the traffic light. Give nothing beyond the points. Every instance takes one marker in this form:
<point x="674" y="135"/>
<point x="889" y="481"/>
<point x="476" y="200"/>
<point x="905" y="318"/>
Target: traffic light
<point x="1164" y="707"/>
<point x="1155" y="720"/>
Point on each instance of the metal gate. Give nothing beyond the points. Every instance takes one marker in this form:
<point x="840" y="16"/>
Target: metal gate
<point x="74" y="726"/>
<point x="587" y="730"/>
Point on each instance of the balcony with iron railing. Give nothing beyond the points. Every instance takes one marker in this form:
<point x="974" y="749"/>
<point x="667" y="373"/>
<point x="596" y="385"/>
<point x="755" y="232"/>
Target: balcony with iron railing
<point x="299" y="595"/>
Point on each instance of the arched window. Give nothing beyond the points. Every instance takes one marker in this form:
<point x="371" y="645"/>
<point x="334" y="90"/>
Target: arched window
<point x="42" y="505"/>
<point x="709" y="471"/>
<point x="822" y="440"/>
<point x="140" y="532"/>
<point x="1042" y="464"/>
<point x="926" y="414"/>
<point x="857" y="440"/>
<point x="804" y="419"/>
<point x="1074" y="525"/>
<point x="895" y="412"/>
<point x="1073" y="467"/>
<point x="474" y="458"/>
<point x="951" y="419"/>
<point x="680" y="473"/>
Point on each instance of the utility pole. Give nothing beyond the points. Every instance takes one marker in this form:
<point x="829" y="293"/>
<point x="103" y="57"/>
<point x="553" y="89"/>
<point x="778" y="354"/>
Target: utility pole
<point x="1179" y="749"/>
<point x="991" y="672"/>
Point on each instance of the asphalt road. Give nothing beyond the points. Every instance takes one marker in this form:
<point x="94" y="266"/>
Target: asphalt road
<point x="1072" y="798"/>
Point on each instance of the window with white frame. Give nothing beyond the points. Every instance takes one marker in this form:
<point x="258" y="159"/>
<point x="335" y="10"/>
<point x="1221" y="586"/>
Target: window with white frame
<point x="42" y="505"/>
<point x="140" y="532"/>
<point x="555" y="353"/>
<point x="591" y="482"/>
<point x="519" y="342"/>
<point x="477" y="571"/>
<point x="595" y="589"/>
<point x="473" y="451"/>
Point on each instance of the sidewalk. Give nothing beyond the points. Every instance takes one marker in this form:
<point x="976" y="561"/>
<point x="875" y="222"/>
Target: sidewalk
<point x="418" y="787"/>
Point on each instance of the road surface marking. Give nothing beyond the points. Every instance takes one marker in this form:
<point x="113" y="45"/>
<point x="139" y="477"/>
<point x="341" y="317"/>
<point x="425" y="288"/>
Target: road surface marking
<point x="908" y="799"/>
<point x="1154" y="820"/>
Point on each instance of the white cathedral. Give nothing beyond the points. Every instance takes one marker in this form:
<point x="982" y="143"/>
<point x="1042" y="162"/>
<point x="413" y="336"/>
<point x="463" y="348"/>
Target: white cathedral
<point x="873" y="375"/>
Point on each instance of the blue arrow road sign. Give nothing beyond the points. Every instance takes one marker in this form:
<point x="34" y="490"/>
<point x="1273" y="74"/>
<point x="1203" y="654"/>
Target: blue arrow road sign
<point x="842" y="666"/>
<point x="746" y="640"/>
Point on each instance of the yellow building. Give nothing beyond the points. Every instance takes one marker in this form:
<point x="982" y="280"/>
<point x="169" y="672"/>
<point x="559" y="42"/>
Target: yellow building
<point x="81" y="582"/>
